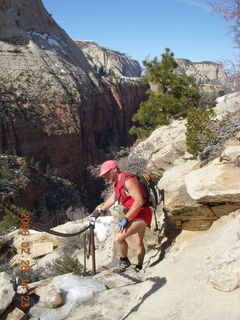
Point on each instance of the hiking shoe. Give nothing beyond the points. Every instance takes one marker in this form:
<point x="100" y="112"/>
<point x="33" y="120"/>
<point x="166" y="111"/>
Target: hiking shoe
<point x="137" y="268"/>
<point x="122" y="265"/>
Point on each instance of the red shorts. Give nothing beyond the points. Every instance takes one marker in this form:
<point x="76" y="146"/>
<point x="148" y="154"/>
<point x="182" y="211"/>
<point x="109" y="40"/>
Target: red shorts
<point x="144" y="214"/>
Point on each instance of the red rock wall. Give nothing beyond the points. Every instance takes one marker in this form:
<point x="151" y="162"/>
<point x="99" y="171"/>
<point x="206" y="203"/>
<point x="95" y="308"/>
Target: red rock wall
<point x="101" y="121"/>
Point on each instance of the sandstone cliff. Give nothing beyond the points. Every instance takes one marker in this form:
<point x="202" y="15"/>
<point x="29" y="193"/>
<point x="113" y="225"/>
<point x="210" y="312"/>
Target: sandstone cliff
<point x="206" y="72"/>
<point x="54" y="107"/>
<point x="106" y="60"/>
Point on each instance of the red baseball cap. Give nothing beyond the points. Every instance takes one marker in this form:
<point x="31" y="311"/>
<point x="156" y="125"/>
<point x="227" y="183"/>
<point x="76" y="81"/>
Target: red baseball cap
<point x="106" y="166"/>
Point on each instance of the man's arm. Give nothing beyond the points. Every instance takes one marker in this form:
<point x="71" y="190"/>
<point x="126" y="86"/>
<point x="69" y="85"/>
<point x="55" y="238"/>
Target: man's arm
<point x="108" y="203"/>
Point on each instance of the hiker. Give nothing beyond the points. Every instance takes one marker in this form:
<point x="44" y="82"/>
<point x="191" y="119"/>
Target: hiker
<point x="137" y="216"/>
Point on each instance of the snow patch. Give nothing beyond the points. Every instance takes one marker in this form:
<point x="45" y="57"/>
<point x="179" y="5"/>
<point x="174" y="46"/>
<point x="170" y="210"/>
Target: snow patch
<point x="52" y="42"/>
<point x="223" y="98"/>
<point x="103" y="227"/>
<point x="77" y="289"/>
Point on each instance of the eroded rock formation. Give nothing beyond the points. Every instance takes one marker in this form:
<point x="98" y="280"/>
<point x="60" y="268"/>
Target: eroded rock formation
<point x="110" y="61"/>
<point x="54" y="107"/>
<point x="206" y="72"/>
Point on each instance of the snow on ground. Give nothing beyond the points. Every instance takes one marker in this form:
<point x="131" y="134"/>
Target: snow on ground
<point x="52" y="42"/>
<point x="223" y="98"/>
<point x="103" y="227"/>
<point x="77" y="289"/>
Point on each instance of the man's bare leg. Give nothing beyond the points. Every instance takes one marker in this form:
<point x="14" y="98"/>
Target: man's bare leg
<point x="136" y="228"/>
<point x="139" y="245"/>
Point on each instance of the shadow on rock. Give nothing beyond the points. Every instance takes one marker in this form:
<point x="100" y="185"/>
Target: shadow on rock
<point x="157" y="284"/>
<point x="170" y="232"/>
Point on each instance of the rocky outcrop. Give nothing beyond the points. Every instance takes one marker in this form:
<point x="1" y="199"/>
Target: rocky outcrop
<point x="163" y="147"/>
<point x="227" y="104"/>
<point x="104" y="60"/>
<point x="6" y="291"/>
<point x="54" y="107"/>
<point x="190" y="209"/>
<point x="206" y="72"/>
<point x="215" y="182"/>
<point x="196" y="193"/>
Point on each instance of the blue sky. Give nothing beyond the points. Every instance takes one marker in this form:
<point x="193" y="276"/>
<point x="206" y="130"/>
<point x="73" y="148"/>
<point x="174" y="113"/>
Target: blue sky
<point x="146" y="27"/>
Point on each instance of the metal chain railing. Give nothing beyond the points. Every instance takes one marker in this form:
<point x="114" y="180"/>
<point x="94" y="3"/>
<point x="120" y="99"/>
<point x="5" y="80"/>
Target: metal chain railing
<point x="87" y="238"/>
<point x="89" y="248"/>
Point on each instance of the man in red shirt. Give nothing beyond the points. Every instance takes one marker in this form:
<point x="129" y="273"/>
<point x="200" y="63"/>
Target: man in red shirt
<point x="137" y="216"/>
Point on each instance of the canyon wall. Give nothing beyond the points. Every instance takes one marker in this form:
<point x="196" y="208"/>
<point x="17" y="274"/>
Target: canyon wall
<point x="54" y="106"/>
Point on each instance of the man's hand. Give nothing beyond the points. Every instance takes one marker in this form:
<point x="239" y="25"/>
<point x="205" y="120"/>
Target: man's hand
<point x="122" y="224"/>
<point x="94" y="214"/>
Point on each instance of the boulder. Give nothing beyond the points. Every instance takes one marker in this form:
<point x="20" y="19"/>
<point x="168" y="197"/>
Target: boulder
<point x="17" y="314"/>
<point x="231" y="154"/>
<point x="6" y="291"/>
<point x="196" y="195"/>
<point x="227" y="104"/>
<point x="214" y="183"/>
<point x="184" y="212"/>
<point x="77" y="290"/>
<point x="164" y="146"/>
<point x="50" y="296"/>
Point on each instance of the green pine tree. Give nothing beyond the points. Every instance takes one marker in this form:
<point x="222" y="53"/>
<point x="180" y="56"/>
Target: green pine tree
<point x="173" y="96"/>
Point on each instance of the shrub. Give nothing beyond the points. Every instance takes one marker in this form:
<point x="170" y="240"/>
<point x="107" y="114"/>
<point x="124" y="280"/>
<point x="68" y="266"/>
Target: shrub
<point x="67" y="264"/>
<point x="223" y="130"/>
<point x="12" y="175"/>
<point x="10" y="221"/>
<point x="133" y="163"/>
<point x="76" y="213"/>
<point x="33" y="275"/>
<point x="198" y="134"/>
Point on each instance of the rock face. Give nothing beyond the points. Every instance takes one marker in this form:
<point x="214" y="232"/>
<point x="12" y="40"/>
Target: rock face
<point x="106" y="60"/>
<point x="196" y="194"/>
<point x="216" y="182"/>
<point x="54" y="107"/>
<point x="207" y="71"/>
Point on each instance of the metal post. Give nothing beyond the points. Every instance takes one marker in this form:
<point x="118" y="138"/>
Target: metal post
<point x="92" y="226"/>
<point x="85" y="253"/>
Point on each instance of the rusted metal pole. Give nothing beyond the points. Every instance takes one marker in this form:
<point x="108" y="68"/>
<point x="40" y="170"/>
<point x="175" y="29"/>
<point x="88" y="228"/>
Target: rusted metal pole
<point x="85" y="253"/>
<point x="92" y="226"/>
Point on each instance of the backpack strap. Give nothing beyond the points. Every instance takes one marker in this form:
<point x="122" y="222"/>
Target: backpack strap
<point x="124" y="180"/>
<point x="123" y="186"/>
<point x="139" y="180"/>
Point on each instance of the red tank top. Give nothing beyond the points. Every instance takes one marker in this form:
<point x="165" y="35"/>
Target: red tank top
<point x="126" y="200"/>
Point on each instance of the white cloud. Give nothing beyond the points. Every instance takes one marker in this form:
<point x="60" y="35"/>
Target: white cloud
<point x="196" y="3"/>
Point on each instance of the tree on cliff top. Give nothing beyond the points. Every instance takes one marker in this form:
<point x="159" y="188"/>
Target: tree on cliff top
<point x="173" y="95"/>
<point x="230" y="10"/>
